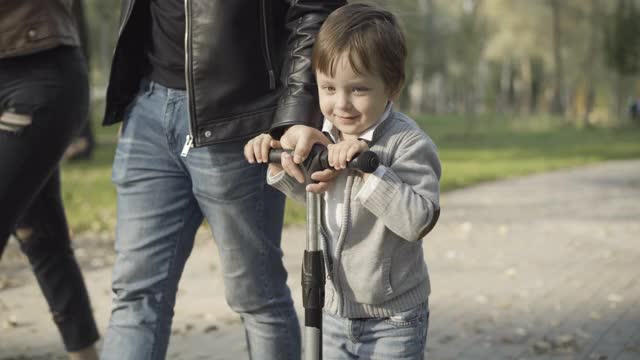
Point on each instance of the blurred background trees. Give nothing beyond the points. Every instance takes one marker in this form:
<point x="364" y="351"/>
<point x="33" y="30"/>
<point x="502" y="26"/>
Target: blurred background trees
<point x="504" y="87"/>
<point x="575" y="58"/>
<point x="578" y="59"/>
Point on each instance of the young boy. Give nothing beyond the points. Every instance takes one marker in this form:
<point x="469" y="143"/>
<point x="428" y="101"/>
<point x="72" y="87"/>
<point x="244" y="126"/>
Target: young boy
<point x="377" y="281"/>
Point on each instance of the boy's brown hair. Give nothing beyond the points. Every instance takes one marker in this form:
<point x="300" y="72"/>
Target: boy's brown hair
<point x="372" y="39"/>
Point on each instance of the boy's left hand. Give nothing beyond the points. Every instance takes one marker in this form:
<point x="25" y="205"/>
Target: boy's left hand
<point x="339" y="155"/>
<point x="344" y="151"/>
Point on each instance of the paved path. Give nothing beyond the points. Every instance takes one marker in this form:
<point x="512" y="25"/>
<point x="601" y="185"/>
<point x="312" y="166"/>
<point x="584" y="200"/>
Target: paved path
<point x="540" y="267"/>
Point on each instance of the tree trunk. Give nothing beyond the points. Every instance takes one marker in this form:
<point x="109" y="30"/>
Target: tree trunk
<point x="589" y="62"/>
<point x="537" y="79"/>
<point x="417" y="87"/>
<point x="558" y="103"/>
<point x="620" y="97"/>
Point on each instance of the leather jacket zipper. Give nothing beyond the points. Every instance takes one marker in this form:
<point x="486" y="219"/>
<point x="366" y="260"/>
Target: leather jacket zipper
<point x="267" y="55"/>
<point x="188" y="77"/>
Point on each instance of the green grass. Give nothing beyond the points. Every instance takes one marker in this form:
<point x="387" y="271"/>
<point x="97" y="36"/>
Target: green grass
<point x="485" y="149"/>
<point x="498" y="148"/>
<point x="89" y="196"/>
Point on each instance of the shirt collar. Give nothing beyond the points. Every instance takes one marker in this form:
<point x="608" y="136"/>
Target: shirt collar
<point x="367" y="135"/>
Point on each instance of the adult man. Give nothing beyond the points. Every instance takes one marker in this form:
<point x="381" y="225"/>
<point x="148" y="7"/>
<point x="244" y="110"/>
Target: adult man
<point x="193" y="80"/>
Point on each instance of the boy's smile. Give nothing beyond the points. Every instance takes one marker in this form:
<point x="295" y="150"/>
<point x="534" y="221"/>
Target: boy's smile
<point x="351" y="102"/>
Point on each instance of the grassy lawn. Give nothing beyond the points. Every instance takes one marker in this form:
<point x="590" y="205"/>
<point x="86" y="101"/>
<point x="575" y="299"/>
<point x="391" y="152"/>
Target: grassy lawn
<point x="491" y="148"/>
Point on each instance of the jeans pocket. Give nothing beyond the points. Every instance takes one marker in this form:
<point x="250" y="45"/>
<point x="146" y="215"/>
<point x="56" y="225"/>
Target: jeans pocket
<point x="409" y="318"/>
<point x="126" y="139"/>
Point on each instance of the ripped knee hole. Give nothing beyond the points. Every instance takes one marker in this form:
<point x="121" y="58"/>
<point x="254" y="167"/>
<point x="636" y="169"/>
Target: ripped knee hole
<point x="24" y="234"/>
<point x="14" y="122"/>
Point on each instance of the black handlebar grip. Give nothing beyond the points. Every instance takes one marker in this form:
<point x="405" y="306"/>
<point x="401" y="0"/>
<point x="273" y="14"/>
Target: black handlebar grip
<point x="366" y="162"/>
<point x="275" y="154"/>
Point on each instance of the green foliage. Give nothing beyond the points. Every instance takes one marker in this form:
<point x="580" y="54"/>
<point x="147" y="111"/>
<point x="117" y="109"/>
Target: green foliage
<point x="468" y="40"/>
<point x="89" y="196"/>
<point x="622" y="39"/>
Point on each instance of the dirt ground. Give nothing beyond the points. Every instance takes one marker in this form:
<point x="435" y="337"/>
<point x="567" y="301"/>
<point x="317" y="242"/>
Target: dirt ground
<point x="538" y="267"/>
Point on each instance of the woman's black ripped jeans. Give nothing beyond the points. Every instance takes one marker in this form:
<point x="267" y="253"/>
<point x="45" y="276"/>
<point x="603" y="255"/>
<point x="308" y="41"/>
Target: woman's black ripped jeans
<point x="43" y="102"/>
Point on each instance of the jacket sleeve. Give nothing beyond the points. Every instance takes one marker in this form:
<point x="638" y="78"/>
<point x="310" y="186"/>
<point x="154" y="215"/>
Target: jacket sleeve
<point x="299" y="103"/>
<point x="406" y="197"/>
<point x="288" y="186"/>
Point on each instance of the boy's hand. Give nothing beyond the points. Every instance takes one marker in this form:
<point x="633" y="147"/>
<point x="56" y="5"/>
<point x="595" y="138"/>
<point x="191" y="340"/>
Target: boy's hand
<point x="300" y="138"/>
<point x="257" y="150"/>
<point x="323" y="179"/>
<point x="344" y="151"/>
<point x="339" y="155"/>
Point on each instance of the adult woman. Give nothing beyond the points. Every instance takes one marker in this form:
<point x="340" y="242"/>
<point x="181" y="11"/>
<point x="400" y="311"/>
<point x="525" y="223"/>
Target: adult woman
<point x="43" y="102"/>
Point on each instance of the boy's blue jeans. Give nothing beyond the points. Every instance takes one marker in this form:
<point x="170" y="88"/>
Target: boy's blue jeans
<point x="399" y="337"/>
<point x="162" y="199"/>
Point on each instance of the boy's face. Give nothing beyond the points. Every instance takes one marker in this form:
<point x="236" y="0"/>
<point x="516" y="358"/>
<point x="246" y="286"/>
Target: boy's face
<point x="352" y="103"/>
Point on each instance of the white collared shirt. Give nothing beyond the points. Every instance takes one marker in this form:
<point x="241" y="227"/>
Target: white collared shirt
<point x="334" y="196"/>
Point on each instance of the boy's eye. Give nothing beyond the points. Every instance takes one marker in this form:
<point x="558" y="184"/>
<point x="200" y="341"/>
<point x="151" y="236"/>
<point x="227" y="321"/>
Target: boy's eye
<point x="329" y="88"/>
<point x="358" y="90"/>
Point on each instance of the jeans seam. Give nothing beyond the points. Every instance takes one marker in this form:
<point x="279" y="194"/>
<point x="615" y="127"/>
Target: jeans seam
<point x="425" y="332"/>
<point x="351" y="335"/>
<point x="170" y="274"/>
<point x="281" y="311"/>
<point x="269" y="289"/>
<point x="158" y="305"/>
<point x="171" y="117"/>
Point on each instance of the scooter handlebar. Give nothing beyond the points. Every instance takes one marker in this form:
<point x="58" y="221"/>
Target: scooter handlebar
<point x="318" y="159"/>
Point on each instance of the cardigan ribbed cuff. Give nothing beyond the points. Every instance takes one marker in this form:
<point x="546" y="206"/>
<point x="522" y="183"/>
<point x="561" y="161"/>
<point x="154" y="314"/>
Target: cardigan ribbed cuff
<point x="379" y="199"/>
<point x="286" y="184"/>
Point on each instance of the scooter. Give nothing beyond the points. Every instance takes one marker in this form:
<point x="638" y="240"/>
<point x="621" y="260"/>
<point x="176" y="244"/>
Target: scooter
<point x="313" y="267"/>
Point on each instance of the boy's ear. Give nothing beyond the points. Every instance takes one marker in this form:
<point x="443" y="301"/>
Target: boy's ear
<point x="394" y="95"/>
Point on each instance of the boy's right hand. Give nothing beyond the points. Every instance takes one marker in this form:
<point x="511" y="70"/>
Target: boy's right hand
<point x="323" y="179"/>
<point x="257" y="151"/>
<point x="301" y="138"/>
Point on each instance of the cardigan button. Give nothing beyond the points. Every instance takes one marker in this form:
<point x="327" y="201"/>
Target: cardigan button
<point x="207" y="134"/>
<point x="31" y="34"/>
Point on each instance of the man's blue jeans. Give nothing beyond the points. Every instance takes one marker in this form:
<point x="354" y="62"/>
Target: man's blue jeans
<point x="162" y="199"/>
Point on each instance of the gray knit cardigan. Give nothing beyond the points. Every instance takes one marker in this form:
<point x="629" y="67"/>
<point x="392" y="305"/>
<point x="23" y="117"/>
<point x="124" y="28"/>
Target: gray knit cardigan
<point x="379" y="267"/>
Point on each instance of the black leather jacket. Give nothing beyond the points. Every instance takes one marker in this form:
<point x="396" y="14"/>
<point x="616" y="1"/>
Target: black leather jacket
<point x="248" y="65"/>
<point x="28" y="27"/>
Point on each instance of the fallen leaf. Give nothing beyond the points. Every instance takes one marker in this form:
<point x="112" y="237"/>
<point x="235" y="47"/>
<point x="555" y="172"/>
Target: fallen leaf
<point x="511" y="272"/>
<point x="210" y="328"/>
<point x="541" y="347"/>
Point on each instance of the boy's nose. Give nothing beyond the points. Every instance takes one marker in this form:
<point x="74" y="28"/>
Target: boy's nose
<point x="343" y="102"/>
